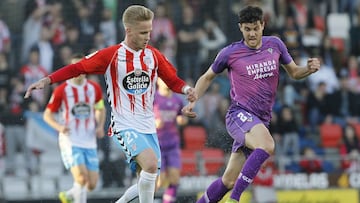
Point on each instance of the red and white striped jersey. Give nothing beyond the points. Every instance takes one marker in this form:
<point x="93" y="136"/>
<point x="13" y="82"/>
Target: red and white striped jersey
<point x="75" y="103"/>
<point x="130" y="81"/>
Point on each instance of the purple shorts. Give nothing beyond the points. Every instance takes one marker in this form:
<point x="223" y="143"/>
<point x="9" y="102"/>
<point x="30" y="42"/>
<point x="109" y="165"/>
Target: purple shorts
<point x="170" y="158"/>
<point x="238" y="123"/>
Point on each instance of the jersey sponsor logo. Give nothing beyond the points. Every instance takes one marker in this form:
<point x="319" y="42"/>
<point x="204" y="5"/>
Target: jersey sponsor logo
<point x="136" y="82"/>
<point x="81" y="110"/>
<point x="263" y="69"/>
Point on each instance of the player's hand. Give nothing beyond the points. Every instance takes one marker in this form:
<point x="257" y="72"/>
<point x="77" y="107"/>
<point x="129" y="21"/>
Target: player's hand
<point x="191" y="95"/>
<point x="313" y="65"/>
<point x="64" y="130"/>
<point x="188" y="110"/>
<point x="40" y="84"/>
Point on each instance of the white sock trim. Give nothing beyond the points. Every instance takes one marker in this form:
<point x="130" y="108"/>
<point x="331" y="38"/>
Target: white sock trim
<point x="148" y="176"/>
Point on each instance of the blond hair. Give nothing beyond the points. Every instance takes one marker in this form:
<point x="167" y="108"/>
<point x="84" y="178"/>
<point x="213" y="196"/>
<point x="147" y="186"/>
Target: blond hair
<point x="136" y="13"/>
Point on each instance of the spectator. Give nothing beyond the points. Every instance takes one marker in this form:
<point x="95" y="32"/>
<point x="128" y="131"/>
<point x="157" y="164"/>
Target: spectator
<point x="353" y="74"/>
<point x="108" y="27"/>
<point x="291" y="35"/>
<point x="354" y="35"/>
<point x="289" y="133"/>
<point x="212" y="101"/>
<point x="316" y="107"/>
<point x="350" y="149"/>
<point x="163" y="35"/>
<point x="352" y="163"/>
<point x="73" y="39"/>
<point x="5" y="39"/>
<point x="14" y="21"/>
<point x="189" y="35"/>
<point x="33" y="71"/>
<point x="342" y="106"/>
<point x="326" y="75"/>
<point x="210" y="43"/>
<point x="310" y="162"/>
<point x="62" y="56"/>
<point x="54" y="21"/>
<point x="32" y="28"/>
<point x="45" y="48"/>
<point x="5" y="75"/>
<point x="85" y="26"/>
<point x="12" y="119"/>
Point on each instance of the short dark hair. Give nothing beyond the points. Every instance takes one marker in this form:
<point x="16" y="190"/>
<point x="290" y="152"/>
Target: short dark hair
<point x="251" y="14"/>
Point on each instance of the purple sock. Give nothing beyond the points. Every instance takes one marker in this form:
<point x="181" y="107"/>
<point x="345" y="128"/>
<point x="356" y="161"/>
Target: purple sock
<point x="214" y="193"/>
<point x="250" y="169"/>
<point x="169" y="195"/>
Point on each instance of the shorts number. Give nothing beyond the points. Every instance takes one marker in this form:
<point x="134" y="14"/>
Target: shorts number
<point x="242" y="117"/>
<point x="130" y="136"/>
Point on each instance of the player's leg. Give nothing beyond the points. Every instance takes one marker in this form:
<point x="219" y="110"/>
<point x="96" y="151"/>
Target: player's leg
<point x="170" y="192"/>
<point x="217" y="189"/>
<point x="93" y="179"/>
<point x="146" y="155"/>
<point x="162" y="180"/>
<point x="172" y="164"/>
<point x="92" y="168"/>
<point x="66" y="151"/>
<point x="262" y="143"/>
<point x="79" y="190"/>
<point x="74" y="159"/>
<point x="147" y="179"/>
<point x="130" y="194"/>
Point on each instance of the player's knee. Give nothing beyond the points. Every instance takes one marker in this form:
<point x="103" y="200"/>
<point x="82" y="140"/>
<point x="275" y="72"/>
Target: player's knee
<point x="174" y="180"/>
<point x="81" y="179"/>
<point x="91" y="186"/>
<point x="268" y="146"/>
<point x="229" y="183"/>
<point x="150" y="167"/>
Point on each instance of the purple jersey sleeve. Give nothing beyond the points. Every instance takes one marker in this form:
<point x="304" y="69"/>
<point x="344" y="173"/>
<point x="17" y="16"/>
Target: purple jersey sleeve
<point x="253" y="73"/>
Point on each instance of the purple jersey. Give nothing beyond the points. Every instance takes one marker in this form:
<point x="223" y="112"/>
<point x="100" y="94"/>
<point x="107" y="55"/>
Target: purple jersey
<point x="253" y="73"/>
<point x="167" y="109"/>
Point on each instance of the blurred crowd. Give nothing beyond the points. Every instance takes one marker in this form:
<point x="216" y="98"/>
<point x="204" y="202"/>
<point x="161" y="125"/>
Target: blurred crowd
<point x="39" y="36"/>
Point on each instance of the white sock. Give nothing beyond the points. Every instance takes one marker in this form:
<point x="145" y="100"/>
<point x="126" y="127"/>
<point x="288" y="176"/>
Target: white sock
<point x="70" y="192"/>
<point x="83" y="194"/>
<point x="147" y="187"/>
<point x="130" y="194"/>
<point x="77" y="191"/>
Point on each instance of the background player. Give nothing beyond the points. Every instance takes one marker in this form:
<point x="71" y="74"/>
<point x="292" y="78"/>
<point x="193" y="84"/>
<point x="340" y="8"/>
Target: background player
<point x="167" y="108"/>
<point x="82" y="119"/>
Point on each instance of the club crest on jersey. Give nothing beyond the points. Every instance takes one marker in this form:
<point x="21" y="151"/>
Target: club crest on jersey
<point x="81" y="110"/>
<point x="137" y="72"/>
<point x="136" y="82"/>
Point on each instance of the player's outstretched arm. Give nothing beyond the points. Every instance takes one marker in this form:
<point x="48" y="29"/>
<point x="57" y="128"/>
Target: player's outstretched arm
<point x="296" y="72"/>
<point x="40" y="84"/>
